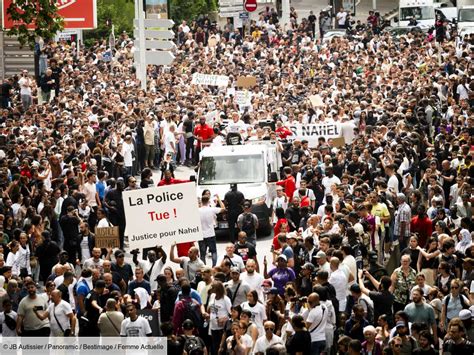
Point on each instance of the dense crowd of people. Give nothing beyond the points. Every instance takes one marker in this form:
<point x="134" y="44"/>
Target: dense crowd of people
<point x="372" y="250"/>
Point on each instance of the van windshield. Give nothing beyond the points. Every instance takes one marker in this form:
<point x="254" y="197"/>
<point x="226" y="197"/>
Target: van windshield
<point x="418" y="12"/>
<point x="231" y="169"/>
<point x="466" y="15"/>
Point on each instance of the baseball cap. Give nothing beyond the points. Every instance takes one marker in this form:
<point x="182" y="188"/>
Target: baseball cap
<point x="234" y="269"/>
<point x="401" y="324"/>
<point x="320" y="254"/>
<point x="291" y="235"/>
<point x="273" y="291"/>
<point x="308" y="266"/>
<point x="282" y="256"/>
<point x="465" y="314"/>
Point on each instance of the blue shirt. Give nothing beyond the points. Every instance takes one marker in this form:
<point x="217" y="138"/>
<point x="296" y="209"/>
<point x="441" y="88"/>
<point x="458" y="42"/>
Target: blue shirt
<point x="194" y="295"/>
<point x="100" y="187"/>
<point x="134" y="284"/>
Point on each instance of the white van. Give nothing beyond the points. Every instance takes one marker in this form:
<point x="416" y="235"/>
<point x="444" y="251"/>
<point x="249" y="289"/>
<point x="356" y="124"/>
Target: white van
<point x="252" y="167"/>
<point x="422" y="10"/>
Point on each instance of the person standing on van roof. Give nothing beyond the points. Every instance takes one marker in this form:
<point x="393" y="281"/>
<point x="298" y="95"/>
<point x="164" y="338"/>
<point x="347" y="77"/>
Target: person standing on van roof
<point x="233" y="200"/>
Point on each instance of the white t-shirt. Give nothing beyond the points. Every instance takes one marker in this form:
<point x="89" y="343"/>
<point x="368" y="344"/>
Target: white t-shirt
<point x="318" y="318"/>
<point x="25" y="90"/>
<point x="341" y="17"/>
<point x="127" y="154"/>
<point x="7" y="332"/>
<point x="208" y="215"/>
<point x="236" y="127"/>
<point x="139" y="328"/>
<point x="62" y="310"/>
<point x="218" y="309"/>
<point x="236" y="260"/>
<point x="340" y="282"/>
<point x="328" y="182"/>
<point x="259" y="316"/>
<point x="157" y="267"/>
<point x="255" y="282"/>
<point x="170" y="142"/>
<point x="392" y="184"/>
<point x="262" y="343"/>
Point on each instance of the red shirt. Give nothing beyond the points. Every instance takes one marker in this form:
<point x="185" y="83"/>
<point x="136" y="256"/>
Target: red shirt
<point x="423" y="226"/>
<point x="204" y="132"/>
<point x="283" y="132"/>
<point x="172" y="181"/>
<point x="289" y="185"/>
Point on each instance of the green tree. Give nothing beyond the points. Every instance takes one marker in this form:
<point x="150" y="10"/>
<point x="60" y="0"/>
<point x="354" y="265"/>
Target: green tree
<point x="120" y="13"/>
<point x="190" y="9"/>
<point x="43" y="13"/>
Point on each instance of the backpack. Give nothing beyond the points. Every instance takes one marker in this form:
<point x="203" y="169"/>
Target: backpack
<point x="248" y="224"/>
<point x="192" y="311"/>
<point x="370" y="310"/>
<point x="192" y="345"/>
<point x="464" y="305"/>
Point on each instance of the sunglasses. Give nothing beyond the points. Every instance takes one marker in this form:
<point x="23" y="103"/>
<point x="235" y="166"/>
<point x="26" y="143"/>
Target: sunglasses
<point x="454" y="287"/>
<point x="267" y="329"/>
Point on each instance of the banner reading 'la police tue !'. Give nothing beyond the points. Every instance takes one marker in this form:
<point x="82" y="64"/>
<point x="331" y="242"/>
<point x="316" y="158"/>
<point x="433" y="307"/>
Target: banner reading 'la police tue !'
<point x="162" y="215"/>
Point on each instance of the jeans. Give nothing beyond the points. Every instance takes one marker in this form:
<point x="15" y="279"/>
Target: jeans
<point x="318" y="347"/>
<point x="211" y="244"/>
<point x="26" y="101"/>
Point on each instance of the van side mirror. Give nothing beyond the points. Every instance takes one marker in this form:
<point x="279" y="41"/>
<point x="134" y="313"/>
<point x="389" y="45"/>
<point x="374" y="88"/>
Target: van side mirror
<point x="192" y="178"/>
<point x="395" y="19"/>
<point x="273" y="177"/>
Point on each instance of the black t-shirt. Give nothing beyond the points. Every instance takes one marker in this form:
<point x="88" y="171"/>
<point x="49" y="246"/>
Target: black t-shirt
<point x="464" y="348"/>
<point x="245" y="251"/>
<point x="5" y="90"/>
<point x="64" y="292"/>
<point x="125" y="271"/>
<point x="383" y="302"/>
<point x="92" y="312"/>
<point x="300" y="342"/>
<point x="234" y="201"/>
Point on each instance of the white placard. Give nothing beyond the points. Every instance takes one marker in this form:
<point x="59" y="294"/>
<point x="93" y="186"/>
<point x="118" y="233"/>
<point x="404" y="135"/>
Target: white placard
<point x="243" y="98"/>
<point x="208" y="79"/>
<point x="311" y="132"/>
<point x="162" y="215"/>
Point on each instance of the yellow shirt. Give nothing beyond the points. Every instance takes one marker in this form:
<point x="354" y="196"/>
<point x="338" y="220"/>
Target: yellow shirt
<point x="380" y="210"/>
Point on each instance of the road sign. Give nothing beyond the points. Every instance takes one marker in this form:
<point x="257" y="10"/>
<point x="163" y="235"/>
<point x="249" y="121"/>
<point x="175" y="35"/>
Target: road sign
<point x="244" y="15"/>
<point x="250" y="5"/>
<point x="156" y="57"/>
<point x="157" y="44"/>
<point x="77" y="14"/>
<point x="158" y="23"/>
<point x="167" y="34"/>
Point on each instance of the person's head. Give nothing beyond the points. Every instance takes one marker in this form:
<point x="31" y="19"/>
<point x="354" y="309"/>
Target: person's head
<point x="252" y="297"/>
<point x="56" y="296"/>
<point x="282" y="261"/>
<point x="343" y="344"/>
<point x="132" y="310"/>
<point x="405" y="261"/>
<point x="417" y="295"/>
<point x="111" y="305"/>
<point x="235" y="273"/>
<point x="425" y="339"/>
<point x="313" y="299"/>
<point x="7" y="305"/>
<point x="30" y="288"/>
<point x="96" y="253"/>
<point x="139" y="274"/>
<point x="193" y="253"/>
<point x="297" y="321"/>
<point x="269" y="328"/>
<point x="242" y="237"/>
<point x="358" y="311"/>
<point x="217" y="287"/>
<point x="355" y="347"/>
<point x="250" y="266"/>
<point x="396" y="344"/>
<point x="402" y="328"/>
<point x="455" y="330"/>
<point x="456" y="286"/>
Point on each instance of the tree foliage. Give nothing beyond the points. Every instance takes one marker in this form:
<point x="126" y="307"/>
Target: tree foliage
<point x="120" y="13"/>
<point x="190" y="9"/>
<point x="42" y="13"/>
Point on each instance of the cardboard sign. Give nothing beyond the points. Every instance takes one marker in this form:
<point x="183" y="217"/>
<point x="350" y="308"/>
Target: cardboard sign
<point x="152" y="316"/>
<point x="338" y="142"/>
<point x="311" y="132"/>
<point x="246" y="81"/>
<point x="107" y="237"/>
<point x="316" y="101"/>
<point x="77" y="14"/>
<point x="162" y="215"/>
<point x="206" y="79"/>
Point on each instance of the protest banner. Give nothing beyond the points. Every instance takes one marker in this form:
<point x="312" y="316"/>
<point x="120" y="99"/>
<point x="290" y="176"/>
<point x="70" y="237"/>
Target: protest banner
<point x="162" y="215"/>
<point x="207" y="79"/>
<point x="246" y="81"/>
<point x="152" y="316"/>
<point x="311" y="132"/>
<point x="243" y="98"/>
<point x="107" y="237"/>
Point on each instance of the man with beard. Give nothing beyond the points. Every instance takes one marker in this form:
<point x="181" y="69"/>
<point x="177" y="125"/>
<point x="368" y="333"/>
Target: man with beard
<point x="28" y="323"/>
<point x="245" y="249"/>
<point x="252" y="277"/>
<point x="292" y="214"/>
<point x="420" y="312"/>
<point x="168" y="293"/>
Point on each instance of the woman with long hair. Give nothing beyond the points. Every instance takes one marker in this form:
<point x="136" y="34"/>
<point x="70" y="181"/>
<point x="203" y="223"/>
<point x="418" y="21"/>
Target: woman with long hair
<point x="259" y="315"/>
<point x="453" y="303"/>
<point x="427" y="260"/>
<point x="218" y="309"/>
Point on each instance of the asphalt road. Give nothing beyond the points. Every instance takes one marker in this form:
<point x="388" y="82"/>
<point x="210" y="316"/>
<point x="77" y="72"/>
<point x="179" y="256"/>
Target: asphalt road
<point x="263" y="243"/>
